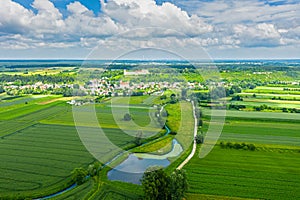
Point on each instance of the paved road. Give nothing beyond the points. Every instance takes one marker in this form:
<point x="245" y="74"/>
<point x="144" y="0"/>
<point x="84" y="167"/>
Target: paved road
<point x="195" y="144"/>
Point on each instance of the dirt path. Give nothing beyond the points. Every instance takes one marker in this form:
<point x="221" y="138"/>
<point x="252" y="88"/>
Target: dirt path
<point x="194" y="144"/>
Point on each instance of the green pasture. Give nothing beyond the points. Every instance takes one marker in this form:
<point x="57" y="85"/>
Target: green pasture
<point x="272" y="90"/>
<point x="181" y="120"/>
<point x="271" y="103"/>
<point x="247" y="174"/>
<point x="253" y="115"/>
<point x="270" y="96"/>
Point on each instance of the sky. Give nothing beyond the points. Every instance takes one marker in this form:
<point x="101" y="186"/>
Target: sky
<point x="192" y="29"/>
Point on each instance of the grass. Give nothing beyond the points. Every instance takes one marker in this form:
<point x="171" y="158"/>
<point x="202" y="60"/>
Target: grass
<point x="270" y="103"/>
<point x="270" y="96"/>
<point x="256" y="116"/>
<point x="272" y="90"/>
<point x="79" y="192"/>
<point x="246" y="174"/>
<point x="40" y="145"/>
<point x="135" y="100"/>
<point x="262" y="132"/>
<point x="160" y="146"/>
<point x="190" y="196"/>
<point x="18" y="108"/>
<point x="181" y="120"/>
<point x="39" y="159"/>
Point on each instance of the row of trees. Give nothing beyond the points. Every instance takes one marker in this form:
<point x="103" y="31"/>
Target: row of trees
<point x="243" y="146"/>
<point x="80" y="175"/>
<point x="21" y="80"/>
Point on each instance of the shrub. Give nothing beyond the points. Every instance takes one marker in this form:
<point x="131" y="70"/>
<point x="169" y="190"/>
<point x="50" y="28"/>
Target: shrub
<point x="251" y="147"/>
<point x="199" y="139"/>
<point x="222" y="144"/>
<point x="127" y="117"/>
<point x="173" y="133"/>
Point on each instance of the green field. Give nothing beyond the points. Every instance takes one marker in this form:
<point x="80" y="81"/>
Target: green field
<point x="181" y="120"/>
<point x="40" y="158"/>
<point x="247" y="174"/>
<point x="256" y="116"/>
<point x="271" y="103"/>
<point x="272" y="90"/>
<point x="40" y="145"/>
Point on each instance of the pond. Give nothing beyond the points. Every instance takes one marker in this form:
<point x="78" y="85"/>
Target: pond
<point x="132" y="169"/>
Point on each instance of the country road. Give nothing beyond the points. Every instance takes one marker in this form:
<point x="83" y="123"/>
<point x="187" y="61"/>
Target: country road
<point x="194" y="144"/>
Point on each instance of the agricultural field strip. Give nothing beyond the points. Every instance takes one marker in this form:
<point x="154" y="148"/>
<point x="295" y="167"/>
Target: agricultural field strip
<point x="256" y="115"/>
<point x="249" y="94"/>
<point x="20" y="102"/>
<point x="271" y="103"/>
<point x="260" y="139"/>
<point x="268" y="91"/>
<point x="31" y="113"/>
<point x="12" y="127"/>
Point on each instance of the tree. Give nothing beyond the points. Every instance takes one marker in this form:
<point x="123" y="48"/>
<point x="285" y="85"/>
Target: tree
<point x="199" y="139"/>
<point x="93" y="169"/>
<point x="75" y="86"/>
<point x="1" y="89"/>
<point x="183" y="93"/>
<point x="173" y="98"/>
<point x="200" y="123"/>
<point x="138" y="138"/>
<point x="127" y="117"/>
<point x="179" y="184"/>
<point x="79" y="175"/>
<point x="156" y="184"/>
<point x="217" y="93"/>
<point x="162" y="97"/>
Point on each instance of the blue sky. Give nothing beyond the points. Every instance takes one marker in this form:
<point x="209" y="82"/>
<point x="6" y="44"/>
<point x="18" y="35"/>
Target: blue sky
<point x="221" y="28"/>
<point x="93" y="5"/>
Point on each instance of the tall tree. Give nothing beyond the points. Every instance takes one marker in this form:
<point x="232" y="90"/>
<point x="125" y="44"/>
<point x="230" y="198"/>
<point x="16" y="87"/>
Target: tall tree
<point x="139" y="137"/>
<point x="156" y="184"/>
<point x="79" y="175"/>
<point x="178" y="184"/>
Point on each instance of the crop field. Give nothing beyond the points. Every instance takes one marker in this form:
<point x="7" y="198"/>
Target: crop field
<point x="23" y="106"/>
<point x="273" y="90"/>
<point x="248" y="174"/>
<point x="270" y="96"/>
<point x="262" y="116"/>
<point x="40" y="158"/>
<point x="108" y="117"/>
<point x="136" y="100"/>
<point x="262" y="132"/>
<point x="40" y="145"/>
<point x="270" y="103"/>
